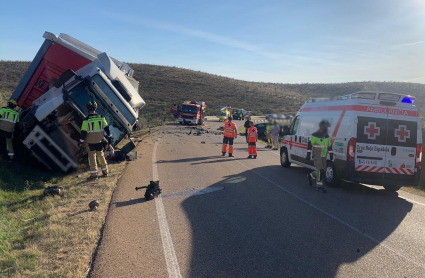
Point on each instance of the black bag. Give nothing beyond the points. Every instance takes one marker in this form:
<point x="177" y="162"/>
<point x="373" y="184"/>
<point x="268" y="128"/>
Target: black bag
<point x="152" y="190"/>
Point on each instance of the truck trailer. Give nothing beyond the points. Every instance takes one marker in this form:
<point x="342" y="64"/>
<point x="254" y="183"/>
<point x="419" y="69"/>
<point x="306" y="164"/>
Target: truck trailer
<point x="62" y="78"/>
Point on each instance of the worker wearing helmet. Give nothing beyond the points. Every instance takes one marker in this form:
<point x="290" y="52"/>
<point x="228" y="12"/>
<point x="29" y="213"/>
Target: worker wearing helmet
<point x="230" y="133"/>
<point x="320" y="144"/>
<point x="252" y="140"/>
<point x="8" y="119"/>
<point x="92" y="135"/>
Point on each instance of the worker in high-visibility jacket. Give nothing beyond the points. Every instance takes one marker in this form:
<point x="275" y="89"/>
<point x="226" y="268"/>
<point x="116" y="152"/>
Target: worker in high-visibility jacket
<point x="252" y="140"/>
<point x="92" y="135"/>
<point x="230" y="133"/>
<point x="8" y="119"/>
<point x="320" y="144"/>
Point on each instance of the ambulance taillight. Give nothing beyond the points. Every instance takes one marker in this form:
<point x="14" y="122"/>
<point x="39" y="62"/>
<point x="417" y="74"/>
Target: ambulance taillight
<point x="351" y="150"/>
<point x="418" y="155"/>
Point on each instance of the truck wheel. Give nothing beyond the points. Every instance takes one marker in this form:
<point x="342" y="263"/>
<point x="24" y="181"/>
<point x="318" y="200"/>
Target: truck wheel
<point x="392" y="188"/>
<point x="331" y="177"/>
<point x="284" y="161"/>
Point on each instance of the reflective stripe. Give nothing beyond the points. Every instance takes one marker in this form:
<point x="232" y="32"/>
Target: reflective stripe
<point x="104" y="169"/>
<point x="94" y="131"/>
<point x="93" y="172"/>
<point x="11" y="153"/>
<point x="81" y="140"/>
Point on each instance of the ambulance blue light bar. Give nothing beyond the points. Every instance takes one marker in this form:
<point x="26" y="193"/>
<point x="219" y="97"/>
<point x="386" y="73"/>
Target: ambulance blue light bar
<point x="410" y="100"/>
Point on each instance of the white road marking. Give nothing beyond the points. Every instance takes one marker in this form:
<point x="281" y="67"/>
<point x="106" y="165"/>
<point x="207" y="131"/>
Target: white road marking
<point x="167" y="243"/>
<point x="378" y="242"/>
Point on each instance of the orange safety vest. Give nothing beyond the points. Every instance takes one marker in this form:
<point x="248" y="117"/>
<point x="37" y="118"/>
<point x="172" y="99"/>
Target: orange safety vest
<point x="252" y="134"/>
<point x="229" y="129"/>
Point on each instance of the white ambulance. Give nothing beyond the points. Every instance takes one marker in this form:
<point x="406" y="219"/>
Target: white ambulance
<point x="376" y="138"/>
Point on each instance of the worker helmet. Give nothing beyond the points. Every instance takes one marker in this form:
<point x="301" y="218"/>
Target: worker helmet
<point x="12" y="103"/>
<point x="325" y="122"/>
<point x="91" y="105"/>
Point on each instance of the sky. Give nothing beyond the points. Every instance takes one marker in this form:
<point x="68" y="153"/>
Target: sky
<point x="300" y="41"/>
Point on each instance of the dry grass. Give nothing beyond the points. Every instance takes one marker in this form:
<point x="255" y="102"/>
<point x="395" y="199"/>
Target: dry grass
<point x="52" y="236"/>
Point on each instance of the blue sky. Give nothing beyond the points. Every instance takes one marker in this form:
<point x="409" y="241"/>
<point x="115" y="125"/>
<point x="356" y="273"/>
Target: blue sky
<point x="272" y="41"/>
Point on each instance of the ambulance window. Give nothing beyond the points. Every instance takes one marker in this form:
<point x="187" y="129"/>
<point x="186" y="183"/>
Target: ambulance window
<point x="294" y="126"/>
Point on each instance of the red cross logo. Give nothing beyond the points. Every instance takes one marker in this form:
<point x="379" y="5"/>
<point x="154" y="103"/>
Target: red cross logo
<point x="291" y="143"/>
<point x="402" y="133"/>
<point x="372" y="131"/>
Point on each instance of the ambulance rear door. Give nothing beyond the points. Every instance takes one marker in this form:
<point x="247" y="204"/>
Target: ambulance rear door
<point x="371" y="144"/>
<point x="402" y="135"/>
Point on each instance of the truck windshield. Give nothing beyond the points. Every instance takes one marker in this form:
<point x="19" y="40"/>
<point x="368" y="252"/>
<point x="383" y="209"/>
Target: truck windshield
<point x="112" y="95"/>
<point x="189" y="109"/>
<point x="81" y="94"/>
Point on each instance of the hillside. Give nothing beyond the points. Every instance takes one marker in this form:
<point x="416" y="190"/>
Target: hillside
<point x="160" y="86"/>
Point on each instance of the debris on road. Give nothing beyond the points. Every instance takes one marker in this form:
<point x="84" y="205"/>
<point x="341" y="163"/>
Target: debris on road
<point x="203" y="142"/>
<point x="152" y="190"/>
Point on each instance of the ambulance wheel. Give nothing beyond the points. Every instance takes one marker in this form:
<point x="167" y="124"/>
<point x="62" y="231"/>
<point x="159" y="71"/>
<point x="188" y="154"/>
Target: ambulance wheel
<point x="284" y="161"/>
<point x="392" y="188"/>
<point x="331" y="178"/>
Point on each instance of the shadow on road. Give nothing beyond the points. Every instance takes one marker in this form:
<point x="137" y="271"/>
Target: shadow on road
<point x="253" y="228"/>
<point x="129" y="202"/>
<point x="189" y="159"/>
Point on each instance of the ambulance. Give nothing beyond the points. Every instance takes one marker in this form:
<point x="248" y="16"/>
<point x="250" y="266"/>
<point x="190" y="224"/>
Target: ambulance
<point x="376" y="138"/>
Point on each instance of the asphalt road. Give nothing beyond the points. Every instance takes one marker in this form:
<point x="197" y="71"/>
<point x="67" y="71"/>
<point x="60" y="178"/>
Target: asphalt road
<point x="235" y="217"/>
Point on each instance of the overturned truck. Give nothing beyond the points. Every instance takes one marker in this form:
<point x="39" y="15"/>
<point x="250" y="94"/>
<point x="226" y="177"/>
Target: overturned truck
<point x="62" y="78"/>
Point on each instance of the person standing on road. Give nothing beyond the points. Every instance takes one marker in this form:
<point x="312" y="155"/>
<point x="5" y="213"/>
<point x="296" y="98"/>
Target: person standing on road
<point x="321" y="144"/>
<point x="230" y="133"/>
<point x="269" y="128"/>
<point x="8" y="119"/>
<point x="92" y="134"/>
<point x="275" y="135"/>
<point x="246" y="126"/>
<point x="252" y="140"/>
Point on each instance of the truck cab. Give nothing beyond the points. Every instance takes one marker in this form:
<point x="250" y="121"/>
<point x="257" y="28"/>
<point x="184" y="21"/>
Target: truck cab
<point x="50" y="128"/>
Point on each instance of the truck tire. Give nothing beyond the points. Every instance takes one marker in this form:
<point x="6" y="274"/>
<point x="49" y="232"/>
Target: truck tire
<point x="284" y="161"/>
<point x="331" y="177"/>
<point x="392" y="188"/>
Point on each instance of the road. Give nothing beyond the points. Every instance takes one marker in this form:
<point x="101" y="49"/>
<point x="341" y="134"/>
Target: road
<point x="238" y="217"/>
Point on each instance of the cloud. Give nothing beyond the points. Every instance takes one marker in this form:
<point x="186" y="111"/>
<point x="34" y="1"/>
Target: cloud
<point x="414" y="79"/>
<point x="222" y="40"/>
<point x="411" y="43"/>
<point x="194" y="33"/>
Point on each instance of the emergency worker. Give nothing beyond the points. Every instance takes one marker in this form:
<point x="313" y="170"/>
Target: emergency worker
<point x="230" y="133"/>
<point x="8" y="119"/>
<point x="246" y="126"/>
<point x="269" y="138"/>
<point x="252" y="140"/>
<point x="320" y="144"/>
<point x="92" y="135"/>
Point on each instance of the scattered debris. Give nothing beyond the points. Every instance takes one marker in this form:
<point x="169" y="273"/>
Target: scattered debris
<point x="203" y="142"/>
<point x="53" y="190"/>
<point x="152" y="190"/>
<point x="93" y="205"/>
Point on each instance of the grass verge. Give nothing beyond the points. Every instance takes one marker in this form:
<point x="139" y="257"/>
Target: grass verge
<point x="50" y="236"/>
